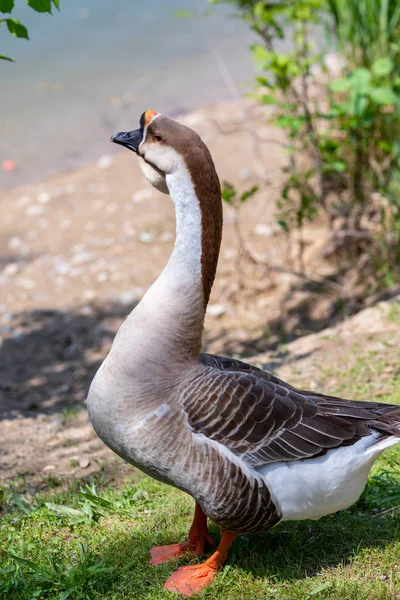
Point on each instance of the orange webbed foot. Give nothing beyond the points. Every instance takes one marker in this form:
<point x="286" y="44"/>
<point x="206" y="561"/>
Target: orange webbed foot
<point x="190" y="580"/>
<point x="164" y="554"/>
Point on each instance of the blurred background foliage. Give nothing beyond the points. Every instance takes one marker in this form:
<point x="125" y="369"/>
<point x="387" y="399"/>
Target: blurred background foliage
<point x="336" y="94"/>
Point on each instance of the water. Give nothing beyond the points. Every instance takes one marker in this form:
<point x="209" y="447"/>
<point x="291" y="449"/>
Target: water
<point x="93" y="68"/>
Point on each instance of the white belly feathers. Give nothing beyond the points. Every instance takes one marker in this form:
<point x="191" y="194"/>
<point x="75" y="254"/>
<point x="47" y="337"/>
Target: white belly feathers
<point x="312" y="488"/>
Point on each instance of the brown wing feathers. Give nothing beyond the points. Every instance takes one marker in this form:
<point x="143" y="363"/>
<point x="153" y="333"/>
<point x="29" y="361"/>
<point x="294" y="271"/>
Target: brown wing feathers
<point x="264" y="420"/>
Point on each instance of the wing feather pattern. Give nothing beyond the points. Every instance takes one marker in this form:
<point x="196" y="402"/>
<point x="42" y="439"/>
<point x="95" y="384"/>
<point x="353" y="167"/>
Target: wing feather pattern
<point x="264" y="420"/>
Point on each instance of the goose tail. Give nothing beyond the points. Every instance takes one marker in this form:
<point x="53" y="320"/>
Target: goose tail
<point x="387" y="420"/>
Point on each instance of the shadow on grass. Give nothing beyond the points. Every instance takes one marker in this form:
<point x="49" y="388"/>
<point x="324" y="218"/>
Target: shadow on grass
<point x="288" y="553"/>
<point x="287" y="557"/>
<point x="295" y="550"/>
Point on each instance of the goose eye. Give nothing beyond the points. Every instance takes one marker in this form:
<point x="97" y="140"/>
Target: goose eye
<point x="158" y="138"/>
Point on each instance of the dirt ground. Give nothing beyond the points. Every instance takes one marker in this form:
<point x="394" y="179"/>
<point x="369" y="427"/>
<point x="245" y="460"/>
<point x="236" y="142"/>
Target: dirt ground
<point x="79" y="250"/>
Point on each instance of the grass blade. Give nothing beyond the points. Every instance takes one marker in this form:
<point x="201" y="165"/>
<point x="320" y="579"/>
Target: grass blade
<point x="21" y="505"/>
<point x="43" y="573"/>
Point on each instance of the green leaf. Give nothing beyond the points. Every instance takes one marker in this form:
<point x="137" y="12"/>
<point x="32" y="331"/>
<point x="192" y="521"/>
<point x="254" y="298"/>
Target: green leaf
<point x="284" y="225"/>
<point x="318" y="589"/>
<point x="385" y="146"/>
<point x="2" y="57"/>
<point x="357" y="104"/>
<point x="338" y="165"/>
<point x="6" y="6"/>
<point x="40" y="5"/>
<point x="56" y="3"/>
<point x="340" y="85"/>
<point x="384" y="96"/>
<point x="260" y="53"/>
<point x="228" y="192"/>
<point x="78" y="515"/>
<point x="382" y="67"/>
<point x="8" y="569"/>
<point x="360" y="80"/>
<point x="249" y="193"/>
<point x="66" y="594"/>
<point x="17" y="29"/>
<point x="96" y="500"/>
<point x="269" y="99"/>
<point x="20" y="504"/>
<point x="294" y="124"/>
<point x="262" y="81"/>
<point x="41" y="571"/>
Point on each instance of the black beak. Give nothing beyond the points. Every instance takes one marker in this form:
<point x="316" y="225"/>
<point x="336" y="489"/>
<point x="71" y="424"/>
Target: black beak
<point x="129" y="139"/>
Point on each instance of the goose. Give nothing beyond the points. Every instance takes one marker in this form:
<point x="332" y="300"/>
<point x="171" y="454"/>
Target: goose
<point x="249" y="448"/>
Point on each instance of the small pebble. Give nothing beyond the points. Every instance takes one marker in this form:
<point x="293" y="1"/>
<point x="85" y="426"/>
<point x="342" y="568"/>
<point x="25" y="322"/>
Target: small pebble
<point x="265" y="230"/>
<point x="216" y="310"/>
<point x="34" y="209"/>
<point x="55" y="424"/>
<point x="75" y="272"/>
<point x="70" y="188"/>
<point x="126" y="298"/>
<point x="146" y="237"/>
<point x="105" y="161"/>
<point x="102" y="277"/>
<point x="245" y="174"/>
<point x="84" y="463"/>
<point x="167" y="236"/>
<point x="89" y="294"/>
<point x="230" y="254"/>
<point x="28" y="284"/>
<point x="141" y="195"/>
<point x="112" y="208"/>
<point x="10" y="269"/>
<point x="14" y="243"/>
<point x="49" y="468"/>
<point x="193" y="119"/>
<point x="23" y="200"/>
<point x="43" y="197"/>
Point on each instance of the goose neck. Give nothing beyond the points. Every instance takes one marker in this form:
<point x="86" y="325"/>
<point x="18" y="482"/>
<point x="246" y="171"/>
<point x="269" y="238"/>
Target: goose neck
<point x="198" y="211"/>
<point x="164" y="331"/>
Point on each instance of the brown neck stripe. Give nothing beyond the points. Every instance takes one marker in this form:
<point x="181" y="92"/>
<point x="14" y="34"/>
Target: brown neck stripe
<point x="208" y="192"/>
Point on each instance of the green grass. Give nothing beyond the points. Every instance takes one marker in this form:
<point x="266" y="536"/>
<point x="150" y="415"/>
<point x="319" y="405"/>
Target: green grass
<point x="372" y="374"/>
<point x="103" y="552"/>
<point x="92" y="542"/>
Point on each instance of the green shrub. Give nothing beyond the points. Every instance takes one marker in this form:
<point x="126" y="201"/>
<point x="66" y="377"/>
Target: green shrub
<point x="346" y="123"/>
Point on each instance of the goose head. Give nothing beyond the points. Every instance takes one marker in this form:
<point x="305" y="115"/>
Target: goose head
<point x="160" y="143"/>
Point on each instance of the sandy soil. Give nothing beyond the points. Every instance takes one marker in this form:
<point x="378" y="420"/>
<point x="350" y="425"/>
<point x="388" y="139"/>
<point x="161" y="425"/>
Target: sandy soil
<point x="79" y="250"/>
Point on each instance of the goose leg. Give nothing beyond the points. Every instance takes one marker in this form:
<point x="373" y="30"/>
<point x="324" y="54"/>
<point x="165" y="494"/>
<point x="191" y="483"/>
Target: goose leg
<point x="192" y="579"/>
<point x="198" y="539"/>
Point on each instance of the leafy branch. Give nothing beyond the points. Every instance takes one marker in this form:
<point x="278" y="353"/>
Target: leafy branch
<point x="14" y="26"/>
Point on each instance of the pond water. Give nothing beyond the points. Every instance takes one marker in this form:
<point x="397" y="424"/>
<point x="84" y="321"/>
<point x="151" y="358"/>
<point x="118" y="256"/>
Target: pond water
<point x="94" y="67"/>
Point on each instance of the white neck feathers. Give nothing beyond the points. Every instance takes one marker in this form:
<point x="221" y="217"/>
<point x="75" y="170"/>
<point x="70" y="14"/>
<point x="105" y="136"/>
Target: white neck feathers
<point x="186" y="257"/>
<point x="165" y="329"/>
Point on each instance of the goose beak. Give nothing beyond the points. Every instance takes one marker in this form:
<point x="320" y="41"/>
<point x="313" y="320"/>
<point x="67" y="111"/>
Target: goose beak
<point x="129" y="139"/>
